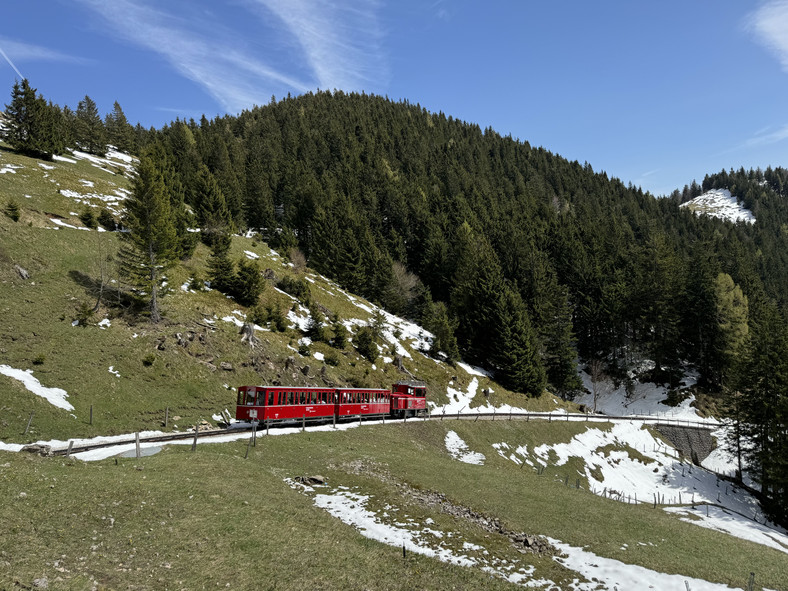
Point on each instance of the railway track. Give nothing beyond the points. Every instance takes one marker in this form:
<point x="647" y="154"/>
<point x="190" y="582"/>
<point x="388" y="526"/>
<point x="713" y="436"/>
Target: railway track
<point x="493" y="416"/>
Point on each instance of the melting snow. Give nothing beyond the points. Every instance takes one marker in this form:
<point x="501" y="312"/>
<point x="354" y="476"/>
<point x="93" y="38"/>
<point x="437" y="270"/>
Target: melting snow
<point x="55" y="396"/>
<point x="733" y="524"/>
<point x="458" y="449"/>
<point x="719" y="203"/>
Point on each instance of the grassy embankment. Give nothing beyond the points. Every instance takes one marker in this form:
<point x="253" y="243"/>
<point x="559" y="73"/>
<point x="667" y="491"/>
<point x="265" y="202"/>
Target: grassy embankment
<point x="205" y="519"/>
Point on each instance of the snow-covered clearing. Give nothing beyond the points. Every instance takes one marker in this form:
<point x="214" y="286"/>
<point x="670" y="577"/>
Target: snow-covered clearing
<point x="627" y="463"/>
<point x="55" y="396"/>
<point x="458" y="449"/>
<point x="389" y="525"/>
<point x="719" y="203"/>
<point x="645" y="400"/>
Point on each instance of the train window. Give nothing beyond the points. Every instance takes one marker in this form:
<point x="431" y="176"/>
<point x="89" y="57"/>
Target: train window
<point x="289" y="398"/>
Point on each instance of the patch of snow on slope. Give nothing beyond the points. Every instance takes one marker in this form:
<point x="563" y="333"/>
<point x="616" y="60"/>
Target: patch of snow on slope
<point x="653" y="471"/>
<point x="458" y="449"/>
<point x="733" y="524"/>
<point x="645" y="400"/>
<point x="474" y="371"/>
<point x="351" y="508"/>
<point x="55" y="396"/>
<point x="719" y="203"/>
<point x="614" y="574"/>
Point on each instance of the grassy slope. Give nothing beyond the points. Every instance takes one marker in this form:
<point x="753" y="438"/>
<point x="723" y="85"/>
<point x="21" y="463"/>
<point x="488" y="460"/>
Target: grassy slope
<point x="171" y="533"/>
<point x="200" y="520"/>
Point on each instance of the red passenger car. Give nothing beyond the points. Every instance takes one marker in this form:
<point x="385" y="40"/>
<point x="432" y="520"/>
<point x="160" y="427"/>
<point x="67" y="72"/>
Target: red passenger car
<point x="282" y="403"/>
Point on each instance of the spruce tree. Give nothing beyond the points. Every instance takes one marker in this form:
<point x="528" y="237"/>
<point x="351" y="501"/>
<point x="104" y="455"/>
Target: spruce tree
<point x="249" y="283"/>
<point x="90" y="133"/>
<point x="442" y="327"/>
<point x="33" y="126"/>
<point x="515" y="351"/>
<point x="149" y="247"/>
<point x="212" y="213"/>
<point x="315" y="329"/>
<point x="221" y="270"/>
<point x="119" y="132"/>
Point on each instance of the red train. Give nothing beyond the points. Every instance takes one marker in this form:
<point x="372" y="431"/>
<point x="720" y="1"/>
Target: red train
<point x="283" y="403"/>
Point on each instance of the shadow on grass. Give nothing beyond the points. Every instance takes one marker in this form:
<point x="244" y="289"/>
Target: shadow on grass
<point x="119" y="300"/>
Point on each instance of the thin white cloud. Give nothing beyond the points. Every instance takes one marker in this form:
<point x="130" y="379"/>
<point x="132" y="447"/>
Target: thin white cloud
<point x="768" y="136"/>
<point x="769" y="24"/>
<point x="25" y="52"/>
<point x="236" y="79"/>
<point x="342" y="41"/>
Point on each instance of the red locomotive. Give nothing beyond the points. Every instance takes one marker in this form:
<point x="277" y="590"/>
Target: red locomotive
<point x="283" y="403"/>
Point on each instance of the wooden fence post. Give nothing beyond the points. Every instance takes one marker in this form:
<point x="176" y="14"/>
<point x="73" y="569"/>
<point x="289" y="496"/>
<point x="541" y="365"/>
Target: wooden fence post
<point x="30" y="420"/>
<point x="70" y="446"/>
<point x="194" y="443"/>
<point x="91" y="414"/>
<point x="137" y="443"/>
<point x="166" y="416"/>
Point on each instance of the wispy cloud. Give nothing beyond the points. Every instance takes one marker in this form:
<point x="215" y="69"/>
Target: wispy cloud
<point x="235" y="78"/>
<point x="26" y="52"/>
<point x="769" y="24"/>
<point x="342" y="41"/>
<point x="767" y="136"/>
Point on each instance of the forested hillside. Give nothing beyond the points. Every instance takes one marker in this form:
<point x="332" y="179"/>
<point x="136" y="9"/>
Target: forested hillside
<point x="514" y="257"/>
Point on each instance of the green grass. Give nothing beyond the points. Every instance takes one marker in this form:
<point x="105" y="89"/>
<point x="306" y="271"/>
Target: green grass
<point x="200" y="520"/>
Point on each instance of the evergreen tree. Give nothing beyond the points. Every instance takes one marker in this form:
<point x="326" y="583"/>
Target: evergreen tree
<point x="221" y="270"/>
<point x="515" y="353"/>
<point x="365" y="344"/>
<point x="761" y="408"/>
<point x="212" y="213"/>
<point x="149" y="247"/>
<point x="442" y="327"/>
<point x="732" y="328"/>
<point x="33" y="126"/>
<point x="340" y="333"/>
<point x="119" y="132"/>
<point x="249" y="283"/>
<point x="90" y="133"/>
<point x="315" y="329"/>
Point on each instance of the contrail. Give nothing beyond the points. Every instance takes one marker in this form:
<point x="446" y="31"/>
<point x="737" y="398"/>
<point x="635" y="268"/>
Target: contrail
<point x="10" y="63"/>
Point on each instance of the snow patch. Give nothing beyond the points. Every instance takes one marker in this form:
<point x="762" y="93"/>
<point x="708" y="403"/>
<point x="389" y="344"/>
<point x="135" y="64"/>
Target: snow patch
<point x="55" y="396"/>
<point x="719" y="203"/>
<point x="458" y="450"/>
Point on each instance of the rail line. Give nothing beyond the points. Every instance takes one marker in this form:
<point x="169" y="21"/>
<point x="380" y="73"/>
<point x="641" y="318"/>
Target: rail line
<point x="486" y="416"/>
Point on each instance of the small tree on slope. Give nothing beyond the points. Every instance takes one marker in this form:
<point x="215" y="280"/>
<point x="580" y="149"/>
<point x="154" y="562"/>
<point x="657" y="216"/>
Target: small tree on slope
<point x="150" y="244"/>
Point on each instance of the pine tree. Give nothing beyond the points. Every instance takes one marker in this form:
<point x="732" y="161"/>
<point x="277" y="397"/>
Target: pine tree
<point x="515" y="353"/>
<point x="315" y="329"/>
<point x="212" y="213"/>
<point x="34" y="127"/>
<point x="90" y="133"/>
<point x="149" y="247"/>
<point x="119" y="132"/>
<point x="442" y="327"/>
<point x="761" y="408"/>
<point x="221" y="270"/>
<point x="732" y="328"/>
<point x="249" y="283"/>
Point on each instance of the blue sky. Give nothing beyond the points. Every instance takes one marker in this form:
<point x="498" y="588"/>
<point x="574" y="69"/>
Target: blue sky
<point x="655" y="93"/>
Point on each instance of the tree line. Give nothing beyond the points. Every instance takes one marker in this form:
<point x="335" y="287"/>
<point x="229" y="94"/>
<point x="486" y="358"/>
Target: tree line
<point x="42" y="129"/>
